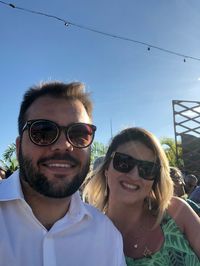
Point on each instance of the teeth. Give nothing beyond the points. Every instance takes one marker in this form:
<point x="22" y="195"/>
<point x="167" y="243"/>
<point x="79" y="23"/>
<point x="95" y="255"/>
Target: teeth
<point x="59" y="165"/>
<point x="130" y="186"/>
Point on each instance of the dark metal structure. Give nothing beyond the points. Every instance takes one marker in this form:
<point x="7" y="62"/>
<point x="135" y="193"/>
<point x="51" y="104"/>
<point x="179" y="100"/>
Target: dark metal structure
<point x="186" y="116"/>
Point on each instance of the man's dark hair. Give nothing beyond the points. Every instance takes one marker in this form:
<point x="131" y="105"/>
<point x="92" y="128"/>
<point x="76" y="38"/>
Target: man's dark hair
<point x="70" y="91"/>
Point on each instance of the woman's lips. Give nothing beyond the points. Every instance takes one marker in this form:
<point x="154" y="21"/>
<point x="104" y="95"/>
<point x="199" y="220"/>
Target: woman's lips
<point x="128" y="186"/>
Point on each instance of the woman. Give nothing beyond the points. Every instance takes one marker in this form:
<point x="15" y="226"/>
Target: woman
<point x="134" y="188"/>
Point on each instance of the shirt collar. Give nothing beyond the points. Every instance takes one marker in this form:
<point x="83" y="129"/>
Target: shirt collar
<point x="77" y="207"/>
<point x="10" y="189"/>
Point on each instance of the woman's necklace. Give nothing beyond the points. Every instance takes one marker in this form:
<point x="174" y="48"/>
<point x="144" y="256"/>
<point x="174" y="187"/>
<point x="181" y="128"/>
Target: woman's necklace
<point x="146" y="253"/>
<point x="138" y="243"/>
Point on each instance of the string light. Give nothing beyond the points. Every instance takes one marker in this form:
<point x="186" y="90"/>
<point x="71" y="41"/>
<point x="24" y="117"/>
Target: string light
<point x="13" y="6"/>
<point x="66" y="24"/>
<point x="69" y="23"/>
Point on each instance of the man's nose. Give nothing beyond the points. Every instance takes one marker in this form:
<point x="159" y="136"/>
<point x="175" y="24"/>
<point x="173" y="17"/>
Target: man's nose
<point x="62" y="143"/>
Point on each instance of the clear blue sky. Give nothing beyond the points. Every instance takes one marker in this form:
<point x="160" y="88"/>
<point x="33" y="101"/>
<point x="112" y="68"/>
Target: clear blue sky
<point x="130" y="86"/>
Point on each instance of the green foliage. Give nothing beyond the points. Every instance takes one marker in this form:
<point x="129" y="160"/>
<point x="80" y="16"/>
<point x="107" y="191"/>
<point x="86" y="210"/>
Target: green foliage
<point x="9" y="161"/>
<point x="169" y="146"/>
<point x="98" y="149"/>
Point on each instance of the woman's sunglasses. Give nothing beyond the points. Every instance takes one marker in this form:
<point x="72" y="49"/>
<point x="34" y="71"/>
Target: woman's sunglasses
<point x="124" y="163"/>
<point x="45" y="132"/>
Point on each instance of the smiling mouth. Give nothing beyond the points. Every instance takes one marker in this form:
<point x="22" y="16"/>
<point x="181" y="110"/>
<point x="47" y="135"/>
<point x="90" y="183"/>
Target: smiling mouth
<point x="59" y="167"/>
<point x="129" y="186"/>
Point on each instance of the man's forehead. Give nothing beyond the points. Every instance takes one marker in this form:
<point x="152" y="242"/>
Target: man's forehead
<point x="47" y="107"/>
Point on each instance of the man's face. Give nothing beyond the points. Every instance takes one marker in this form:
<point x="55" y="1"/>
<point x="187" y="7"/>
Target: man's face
<point x="59" y="169"/>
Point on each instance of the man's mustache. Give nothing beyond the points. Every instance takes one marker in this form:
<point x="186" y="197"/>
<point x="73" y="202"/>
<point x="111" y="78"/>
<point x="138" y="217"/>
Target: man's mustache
<point x="56" y="156"/>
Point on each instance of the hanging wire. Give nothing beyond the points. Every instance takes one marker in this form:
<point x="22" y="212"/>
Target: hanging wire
<point x="68" y="23"/>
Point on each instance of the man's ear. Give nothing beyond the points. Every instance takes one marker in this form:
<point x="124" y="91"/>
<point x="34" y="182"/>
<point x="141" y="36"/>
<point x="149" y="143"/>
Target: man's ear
<point x="17" y="142"/>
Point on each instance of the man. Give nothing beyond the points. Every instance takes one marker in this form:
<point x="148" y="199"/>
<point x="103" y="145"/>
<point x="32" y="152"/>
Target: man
<point x="43" y="221"/>
<point x="190" y="183"/>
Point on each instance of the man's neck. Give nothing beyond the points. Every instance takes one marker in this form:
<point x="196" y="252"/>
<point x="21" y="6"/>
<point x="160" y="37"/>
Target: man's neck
<point x="47" y="210"/>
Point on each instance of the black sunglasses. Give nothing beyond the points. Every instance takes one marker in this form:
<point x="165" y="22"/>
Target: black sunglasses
<point x="124" y="163"/>
<point x="45" y="132"/>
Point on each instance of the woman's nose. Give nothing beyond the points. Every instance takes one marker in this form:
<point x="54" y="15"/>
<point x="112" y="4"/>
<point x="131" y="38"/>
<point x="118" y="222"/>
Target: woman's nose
<point x="133" y="173"/>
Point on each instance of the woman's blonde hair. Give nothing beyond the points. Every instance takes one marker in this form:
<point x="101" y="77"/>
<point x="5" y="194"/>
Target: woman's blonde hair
<point x="162" y="189"/>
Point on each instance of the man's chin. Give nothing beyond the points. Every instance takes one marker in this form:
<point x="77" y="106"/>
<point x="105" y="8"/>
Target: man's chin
<point x="59" y="189"/>
<point x="54" y="185"/>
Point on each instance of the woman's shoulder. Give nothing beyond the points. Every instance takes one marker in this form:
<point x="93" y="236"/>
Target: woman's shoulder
<point x="181" y="212"/>
<point x="177" y="210"/>
<point x="177" y="206"/>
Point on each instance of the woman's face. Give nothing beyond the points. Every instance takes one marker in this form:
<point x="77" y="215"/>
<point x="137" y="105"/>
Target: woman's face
<point x="130" y="187"/>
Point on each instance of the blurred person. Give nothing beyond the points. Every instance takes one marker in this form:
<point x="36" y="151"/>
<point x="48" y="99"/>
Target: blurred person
<point x="190" y="183"/>
<point x="179" y="188"/>
<point x="43" y="220"/>
<point x="179" y="183"/>
<point x="134" y="188"/>
<point x="97" y="162"/>
<point x="2" y="173"/>
<point x="195" y="195"/>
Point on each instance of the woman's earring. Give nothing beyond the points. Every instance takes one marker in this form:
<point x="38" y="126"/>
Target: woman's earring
<point x="106" y="191"/>
<point x="149" y="204"/>
<point x="106" y="188"/>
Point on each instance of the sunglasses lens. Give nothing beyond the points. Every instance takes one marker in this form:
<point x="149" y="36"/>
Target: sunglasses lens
<point x="43" y="132"/>
<point x="148" y="170"/>
<point x="123" y="162"/>
<point x="80" y="135"/>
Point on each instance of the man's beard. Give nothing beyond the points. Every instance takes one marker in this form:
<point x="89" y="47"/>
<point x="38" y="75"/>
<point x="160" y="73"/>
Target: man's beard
<point x="40" y="183"/>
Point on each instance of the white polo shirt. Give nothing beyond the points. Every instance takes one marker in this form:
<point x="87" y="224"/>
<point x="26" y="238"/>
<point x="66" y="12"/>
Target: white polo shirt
<point x="83" y="237"/>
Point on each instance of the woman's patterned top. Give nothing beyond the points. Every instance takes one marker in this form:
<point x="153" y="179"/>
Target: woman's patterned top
<point x="175" y="251"/>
